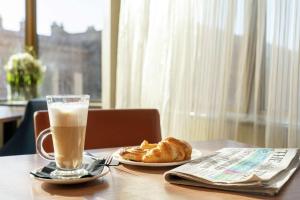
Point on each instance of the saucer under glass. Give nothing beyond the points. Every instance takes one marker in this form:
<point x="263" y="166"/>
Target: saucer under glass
<point x="68" y="174"/>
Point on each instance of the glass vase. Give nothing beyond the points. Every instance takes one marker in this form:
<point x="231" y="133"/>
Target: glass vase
<point x="21" y="93"/>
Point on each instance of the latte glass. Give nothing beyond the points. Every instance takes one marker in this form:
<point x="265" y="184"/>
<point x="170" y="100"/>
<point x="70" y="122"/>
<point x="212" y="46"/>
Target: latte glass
<point x="68" y="118"/>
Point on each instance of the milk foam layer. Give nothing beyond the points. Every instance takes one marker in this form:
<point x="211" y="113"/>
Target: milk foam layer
<point x="68" y="114"/>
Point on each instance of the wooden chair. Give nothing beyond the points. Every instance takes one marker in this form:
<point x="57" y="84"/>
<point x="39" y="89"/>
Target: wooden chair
<point x="111" y="128"/>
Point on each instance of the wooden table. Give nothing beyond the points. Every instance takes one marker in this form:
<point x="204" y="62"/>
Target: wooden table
<point x="9" y="116"/>
<point x="123" y="182"/>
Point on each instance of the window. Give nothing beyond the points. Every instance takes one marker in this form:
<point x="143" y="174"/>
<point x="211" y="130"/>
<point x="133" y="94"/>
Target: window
<point x="70" y="45"/>
<point x="69" y="37"/>
<point x="282" y="44"/>
<point x="12" y="31"/>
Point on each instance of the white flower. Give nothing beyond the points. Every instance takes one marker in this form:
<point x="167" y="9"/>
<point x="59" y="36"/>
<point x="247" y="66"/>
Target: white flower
<point x="23" y="68"/>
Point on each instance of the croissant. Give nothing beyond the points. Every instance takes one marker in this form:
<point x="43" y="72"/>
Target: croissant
<point x="133" y="153"/>
<point x="137" y="153"/>
<point x="168" y="150"/>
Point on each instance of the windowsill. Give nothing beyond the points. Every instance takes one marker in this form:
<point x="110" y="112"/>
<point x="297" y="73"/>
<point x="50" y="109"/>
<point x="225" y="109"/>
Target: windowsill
<point x="4" y="102"/>
<point x="241" y="118"/>
<point x="95" y="104"/>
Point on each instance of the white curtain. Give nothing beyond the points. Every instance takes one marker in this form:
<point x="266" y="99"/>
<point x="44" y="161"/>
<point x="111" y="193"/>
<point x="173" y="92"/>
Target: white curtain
<point x="215" y="69"/>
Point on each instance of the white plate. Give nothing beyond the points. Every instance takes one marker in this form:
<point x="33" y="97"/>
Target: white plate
<point x="195" y="154"/>
<point x="72" y="181"/>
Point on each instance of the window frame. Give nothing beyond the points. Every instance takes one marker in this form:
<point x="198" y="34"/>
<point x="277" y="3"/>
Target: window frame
<point x="30" y="25"/>
<point x="109" y="42"/>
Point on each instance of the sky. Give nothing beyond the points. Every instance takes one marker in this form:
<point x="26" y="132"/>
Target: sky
<point x="75" y="15"/>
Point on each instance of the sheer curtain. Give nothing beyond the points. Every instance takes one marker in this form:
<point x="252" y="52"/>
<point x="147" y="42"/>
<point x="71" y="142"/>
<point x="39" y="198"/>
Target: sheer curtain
<point x="214" y="69"/>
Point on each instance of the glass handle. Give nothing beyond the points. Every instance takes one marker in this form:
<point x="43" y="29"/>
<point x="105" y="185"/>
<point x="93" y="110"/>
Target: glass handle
<point x="39" y="145"/>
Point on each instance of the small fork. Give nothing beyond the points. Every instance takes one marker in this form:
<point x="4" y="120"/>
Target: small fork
<point x="108" y="159"/>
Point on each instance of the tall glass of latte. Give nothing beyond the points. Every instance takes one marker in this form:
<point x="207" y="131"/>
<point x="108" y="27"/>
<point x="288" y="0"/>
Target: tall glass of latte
<point x="68" y="119"/>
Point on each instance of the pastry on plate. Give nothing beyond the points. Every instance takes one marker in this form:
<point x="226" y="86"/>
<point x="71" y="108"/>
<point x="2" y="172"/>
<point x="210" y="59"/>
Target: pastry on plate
<point x="133" y="153"/>
<point x="168" y="150"/>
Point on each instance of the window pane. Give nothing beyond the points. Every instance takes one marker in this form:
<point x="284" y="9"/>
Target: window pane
<point x="69" y="35"/>
<point x="11" y="34"/>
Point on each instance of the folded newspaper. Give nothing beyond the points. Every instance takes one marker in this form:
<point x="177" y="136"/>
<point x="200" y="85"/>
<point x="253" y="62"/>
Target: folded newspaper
<point x="253" y="170"/>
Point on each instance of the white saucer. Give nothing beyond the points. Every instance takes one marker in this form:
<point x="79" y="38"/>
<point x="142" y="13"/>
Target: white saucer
<point x="195" y="154"/>
<point x="71" y="181"/>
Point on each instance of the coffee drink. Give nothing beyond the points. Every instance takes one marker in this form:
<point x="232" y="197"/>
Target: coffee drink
<point x="68" y="125"/>
<point x="68" y="119"/>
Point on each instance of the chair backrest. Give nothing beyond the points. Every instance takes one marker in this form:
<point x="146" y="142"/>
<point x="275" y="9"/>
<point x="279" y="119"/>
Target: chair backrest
<point x="23" y="142"/>
<point x="112" y="128"/>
